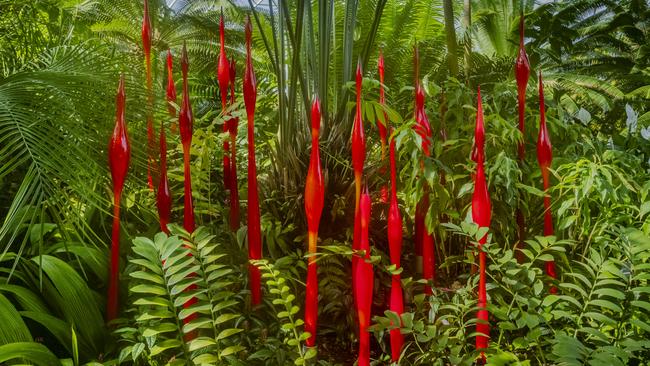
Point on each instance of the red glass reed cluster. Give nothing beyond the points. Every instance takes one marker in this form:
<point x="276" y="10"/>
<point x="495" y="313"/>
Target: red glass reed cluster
<point x="119" y="156"/>
<point x="424" y="241"/>
<point x="545" y="158"/>
<point x="254" y="230"/>
<point x="358" y="160"/>
<point x="363" y="281"/>
<point x="395" y="248"/>
<point x="522" y="73"/>
<point x="481" y="214"/>
<point x="151" y="143"/>
<point x="185" y="120"/>
<point x="314" y="199"/>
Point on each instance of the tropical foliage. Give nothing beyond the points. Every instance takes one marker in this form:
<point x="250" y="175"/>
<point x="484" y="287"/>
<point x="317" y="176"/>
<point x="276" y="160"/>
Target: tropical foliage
<point x="185" y="296"/>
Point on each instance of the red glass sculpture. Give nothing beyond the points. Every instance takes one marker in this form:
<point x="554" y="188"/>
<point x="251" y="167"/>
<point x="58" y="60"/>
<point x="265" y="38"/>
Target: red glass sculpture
<point x="314" y="198"/>
<point x="146" y="45"/>
<point x="545" y="158"/>
<point x="522" y="73"/>
<point x="185" y="120"/>
<point x="424" y="242"/>
<point x="382" y="126"/>
<point x="233" y="123"/>
<point x="223" y="75"/>
<point x="364" y="281"/>
<point x="382" y="100"/>
<point x="164" y="195"/>
<point x="482" y="215"/>
<point x="254" y="230"/>
<point x="358" y="160"/>
<point x="119" y="156"/>
<point x="395" y="247"/>
<point x="171" y="89"/>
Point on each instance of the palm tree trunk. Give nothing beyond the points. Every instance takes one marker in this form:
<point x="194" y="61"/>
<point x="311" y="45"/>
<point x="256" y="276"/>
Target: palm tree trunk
<point x="452" y="58"/>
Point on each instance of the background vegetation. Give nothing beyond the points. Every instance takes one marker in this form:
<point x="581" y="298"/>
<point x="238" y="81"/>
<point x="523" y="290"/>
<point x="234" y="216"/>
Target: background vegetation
<point x="59" y="66"/>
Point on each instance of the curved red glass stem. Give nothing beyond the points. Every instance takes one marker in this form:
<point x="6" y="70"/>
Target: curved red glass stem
<point x="223" y="68"/>
<point x="382" y="126"/>
<point x="254" y="230"/>
<point x="223" y="75"/>
<point x="364" y="282"/>
<point x="119" y="156"/>
<point x="395" y="248"/>
<point x="482" y="216"/>
<point x="171" y="92"/>
<point x="522" y="73"/>
<point x="164" y="195"/>
<point x="314" y="200"/>
<point x="185" y="120"/>
<point x="424" y="241"/>
<point x="358" y="160"/>
<point x="171" y="85"/>
<point x="545" y="158"/>
<point x="146" y="46"/>
<point x="233" y="123"/>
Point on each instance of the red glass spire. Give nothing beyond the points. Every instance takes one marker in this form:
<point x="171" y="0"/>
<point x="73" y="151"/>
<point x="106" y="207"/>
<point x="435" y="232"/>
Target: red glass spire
<point x="522" y="73"/>
<point x="364" y="282"/>
<point x="254" y="230"/>
<point x="395" y="246"/>
<point x="223" y="75"/>
<point x="164" y="195"/>
<point x="171" y="92"/>
<point x="119" y="156"/>
<point x="382" y="127"/>
<point x="314" y="198"/>
<point x="358" y="160"/>
<point x="382" y="100"/>
<point x="185" y="120"/>
<point x="171" y="86"/>
<point x="424" y="241"/>
<point x="545" y="158"/>
<point x="233" y="123"/>
<point x="146" y="46"/>
<point x="482" y="215"/>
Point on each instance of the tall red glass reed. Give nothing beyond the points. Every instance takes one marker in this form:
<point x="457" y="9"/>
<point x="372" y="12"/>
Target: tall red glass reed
<point x="314" y="199"/>
<point x="233" y="123"/>
<point x="382" y="125"/>
<point x="223" y="75"/>
<point x="163" y="195"/>
<point x="358" y="160"/>
<point x="545" y="158"/>
<point x="119" y="156"/>
<point x="364" y="281"/>
<point x="254" y="230"/>
<point x="185" y="120"/>
<point x="424" y="241"/>
<point x="522" y="74"/>
<point x="395" y="248"/>
<point x="171" y="88"/>
<point x="481" y="215"/>
<point x="151" y="144"/>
